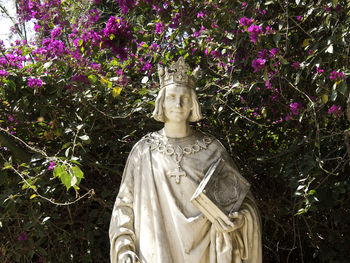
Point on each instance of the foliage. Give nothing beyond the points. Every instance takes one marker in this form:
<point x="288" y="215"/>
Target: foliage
<point x="273" y="89"/>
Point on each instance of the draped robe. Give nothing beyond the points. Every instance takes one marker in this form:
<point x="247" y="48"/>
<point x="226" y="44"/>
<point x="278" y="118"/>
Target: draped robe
<point x="154" y="217"/>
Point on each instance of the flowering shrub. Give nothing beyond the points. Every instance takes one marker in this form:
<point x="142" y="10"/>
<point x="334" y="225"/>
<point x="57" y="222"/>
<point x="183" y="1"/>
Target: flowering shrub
<point x="75" y="98"/>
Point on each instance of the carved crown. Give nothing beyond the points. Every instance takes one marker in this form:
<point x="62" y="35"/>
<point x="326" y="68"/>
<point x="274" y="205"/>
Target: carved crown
<point x="178" y="74"/>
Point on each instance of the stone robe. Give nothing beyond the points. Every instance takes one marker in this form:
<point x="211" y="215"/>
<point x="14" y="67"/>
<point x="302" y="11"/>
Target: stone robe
<point x="154" y="217"/>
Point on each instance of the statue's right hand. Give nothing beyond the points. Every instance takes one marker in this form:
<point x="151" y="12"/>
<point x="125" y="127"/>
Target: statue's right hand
<point x="128" y="257"/>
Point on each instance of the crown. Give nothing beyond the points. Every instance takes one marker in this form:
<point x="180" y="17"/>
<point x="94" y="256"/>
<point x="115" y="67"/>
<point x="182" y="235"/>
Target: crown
<point x="178" y="74"/>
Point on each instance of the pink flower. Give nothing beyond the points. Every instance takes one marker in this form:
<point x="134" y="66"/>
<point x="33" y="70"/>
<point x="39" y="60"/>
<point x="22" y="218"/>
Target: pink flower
<point x="258" y="64"/>
<point x="51" y="166"/>
<point x="3" y="73"/>
<point x="296" y="65"/>
<point x="200" y="15"/>
<point x="254" y="31"/>
<point x="56" y="32"/>
<point x="273" y="52"/>
<point x="295" y="107"/>
<point x="125" y="5"/>
<point x="299" y="18"/>
<point x="336" y="111"/>
<point x="287" y="118"/>
<point x="319" y="70"/>
<point x="244" y="21"/>
<point x="22" y="237"/>
<point x="36" y="27"/>
<point x="146" y="67"/>
<point x="159" y="28"/>
<point x="32" y="82"/>
<point x="336" y="75"/>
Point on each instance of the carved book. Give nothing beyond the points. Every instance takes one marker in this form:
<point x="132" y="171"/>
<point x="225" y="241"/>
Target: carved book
<point x="221" y="191"/>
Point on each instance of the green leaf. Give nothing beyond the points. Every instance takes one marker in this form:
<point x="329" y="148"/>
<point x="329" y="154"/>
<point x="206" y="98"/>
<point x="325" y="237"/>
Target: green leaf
<point x="66" y="179"/>
<point x="84" y="137"/>
<point x="277" y="38"/>
<point x="77" y="172"/>
<point x="58" y="170"/>
<point x="81" y="42"/>
<point x="92" y="78"/>
<point x="334" y="95"/>
<point x="343" y="88"/>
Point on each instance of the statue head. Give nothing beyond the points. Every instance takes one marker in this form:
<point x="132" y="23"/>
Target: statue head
<point x="179" y="82"/>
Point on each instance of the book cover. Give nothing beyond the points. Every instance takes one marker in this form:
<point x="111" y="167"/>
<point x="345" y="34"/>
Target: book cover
<point x="221" y="191"/>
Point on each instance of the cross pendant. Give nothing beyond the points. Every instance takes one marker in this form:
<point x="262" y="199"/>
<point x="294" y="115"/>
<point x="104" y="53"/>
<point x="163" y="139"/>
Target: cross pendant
<point x="177" y="173"/>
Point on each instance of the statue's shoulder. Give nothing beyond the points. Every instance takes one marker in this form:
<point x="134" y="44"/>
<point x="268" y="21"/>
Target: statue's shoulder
<point x="214" y="140"/>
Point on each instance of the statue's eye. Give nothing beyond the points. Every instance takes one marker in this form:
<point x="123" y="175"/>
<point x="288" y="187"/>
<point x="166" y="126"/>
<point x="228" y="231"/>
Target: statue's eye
<point x="171" y="96"/>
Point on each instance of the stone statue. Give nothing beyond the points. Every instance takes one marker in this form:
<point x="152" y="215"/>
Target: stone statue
<point x="153" y="219"/>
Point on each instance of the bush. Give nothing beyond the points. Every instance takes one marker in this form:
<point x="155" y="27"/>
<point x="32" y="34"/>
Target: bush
<point x="74" y="100"/>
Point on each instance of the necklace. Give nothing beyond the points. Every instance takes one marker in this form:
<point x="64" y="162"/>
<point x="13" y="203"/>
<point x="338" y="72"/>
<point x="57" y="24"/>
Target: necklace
<point x="157" y="142"/>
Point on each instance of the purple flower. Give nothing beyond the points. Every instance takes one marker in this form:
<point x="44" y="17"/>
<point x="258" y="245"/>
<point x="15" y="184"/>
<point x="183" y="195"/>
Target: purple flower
<point x="319" y="70"/>
<point x="56" y="32"/>
<point x="299" y="18"/>
<point x="258" y="64"/>
<point x="336" y="75"/>
<point x="94" y="16"/>
<point x="254" y="31"/>
<point x="269" y="30"/>
<point x="36" y="27"/>
<point x="295" y="107"/>
<point x="51" y="166"/>
<point x="262" y="54"/>
<point x="273" y="52"/>
<point x="3" y="73"/>
<point x="125" y="5"/>
<point x="146" y="67"/>
<point x="22" y="237"/>
<point x="296" y="65"/>
<point x="244" y="21"/>
<point x="336" y="111"/>
<point x="175" y="21"/>
<point x="159" y="28"/>
<point x="32" y="82"/>
<point x="200" y="15"/>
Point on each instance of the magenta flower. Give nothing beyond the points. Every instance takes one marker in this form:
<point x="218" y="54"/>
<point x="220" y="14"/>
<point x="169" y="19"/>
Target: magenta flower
<point x="254" y="31"/>
<point x="295" y="107"/>
<point x="159" y="28"/>
<point x="336" y="76"/>
<point x="296" y="65"/>
<point x="22" y="237"/>
<point x="299" y="18"/>
<point x="258" y="64"/>
<point x="319" y="70"/>
<point x="336" y="111"/>
<point x="36" y="27"/>
<point x="51" y="166"/>
<point x="273" y="52"/>
<point x="146" y="67"/>
<point x="244" y="21"/>
<point x="3" y="73"/>
<point x="126" y="5"/>
<point x="56" y="32"/>
<point x="32" y="82"/>
<point x="200" y="15"/>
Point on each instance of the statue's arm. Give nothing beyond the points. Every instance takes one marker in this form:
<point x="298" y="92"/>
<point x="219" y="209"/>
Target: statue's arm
<point x="121" y="230"/>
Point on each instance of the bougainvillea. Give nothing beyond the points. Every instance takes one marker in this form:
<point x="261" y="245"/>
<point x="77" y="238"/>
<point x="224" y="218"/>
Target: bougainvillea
<point x="79" y="93"/>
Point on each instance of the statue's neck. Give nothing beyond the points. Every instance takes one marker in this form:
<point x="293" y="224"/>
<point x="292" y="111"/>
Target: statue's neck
<point x="177" y="130"/>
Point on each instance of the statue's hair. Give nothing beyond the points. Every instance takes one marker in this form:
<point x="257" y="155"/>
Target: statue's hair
<point x="158" y="113"/>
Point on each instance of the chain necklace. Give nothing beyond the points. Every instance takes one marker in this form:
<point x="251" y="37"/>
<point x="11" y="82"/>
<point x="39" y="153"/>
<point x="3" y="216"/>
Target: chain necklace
<point x="157" y="142"/>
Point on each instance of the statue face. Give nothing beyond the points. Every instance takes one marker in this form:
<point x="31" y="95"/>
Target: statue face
<point x="177" y="103"/>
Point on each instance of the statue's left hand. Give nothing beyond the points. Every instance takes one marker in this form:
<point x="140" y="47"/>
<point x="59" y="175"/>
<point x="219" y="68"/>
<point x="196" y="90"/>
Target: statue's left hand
<point x="236" y="222"/>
